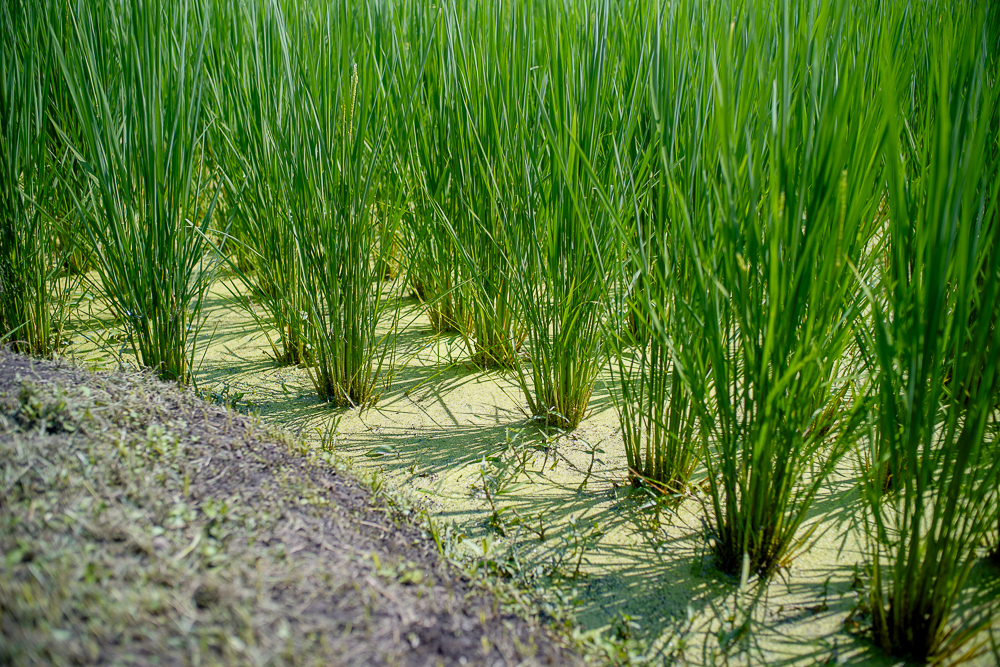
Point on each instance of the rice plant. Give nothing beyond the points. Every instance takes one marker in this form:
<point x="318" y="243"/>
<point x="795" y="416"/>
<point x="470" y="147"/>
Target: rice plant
<point x="437" y="272"/>
<point x="540" y="148"/>
<point x="935" y="363"/>
<point x="303" y="125"/>
<point x="251" y="81"/>
<point x="32" y="296"/>
<point x="339" y="103"/>
<point x="777" y="211"/>
<point x="483" y="133"/>
<point x="569" y="233"/>
<point x="658" y="421"/>
<point x="135" y="75"/>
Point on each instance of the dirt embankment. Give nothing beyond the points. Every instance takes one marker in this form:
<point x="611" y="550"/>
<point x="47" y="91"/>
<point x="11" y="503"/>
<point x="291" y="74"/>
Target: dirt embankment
<point x="140" y="525"/>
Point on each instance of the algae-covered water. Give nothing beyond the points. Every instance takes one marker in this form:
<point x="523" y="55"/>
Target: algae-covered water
<point x="552" y="510"/>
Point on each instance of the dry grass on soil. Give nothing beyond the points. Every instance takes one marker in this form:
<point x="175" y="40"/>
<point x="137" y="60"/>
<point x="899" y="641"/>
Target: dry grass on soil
<point x="140" y="525"/>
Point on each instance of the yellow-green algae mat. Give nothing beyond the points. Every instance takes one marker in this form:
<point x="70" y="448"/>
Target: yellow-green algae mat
<point x="551" y="509"/>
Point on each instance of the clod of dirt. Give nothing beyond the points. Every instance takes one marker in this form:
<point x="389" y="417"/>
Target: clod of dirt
<point x="206" y="596"/>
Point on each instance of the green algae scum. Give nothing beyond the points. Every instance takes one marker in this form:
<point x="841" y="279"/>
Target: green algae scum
<point x="678" y="317"/>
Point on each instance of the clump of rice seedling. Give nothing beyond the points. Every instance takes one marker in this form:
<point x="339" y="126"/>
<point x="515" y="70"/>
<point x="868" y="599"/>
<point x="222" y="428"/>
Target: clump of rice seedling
<point x="771" y="203"/>
<point x="436" y="270"/>
<point x="258" y="153"/>
<point x="32" y="296"/>
<point x="305" y="141"/>
<point x="658" y="420"/>
<point x="558" y="230"/>
<point x="136" y="79"/>
<point x="546" y="166"/>
<point x="425" y="145"/>
<point x="340" y="111"/>
<point x="483" y="128"/>
<point x="936" y="369"/>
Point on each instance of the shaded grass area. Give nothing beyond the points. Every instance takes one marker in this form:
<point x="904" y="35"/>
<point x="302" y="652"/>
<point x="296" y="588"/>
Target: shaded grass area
<point x="140" y="525"/>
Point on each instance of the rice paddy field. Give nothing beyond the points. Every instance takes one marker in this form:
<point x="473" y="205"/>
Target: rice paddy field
<point x="680" y="316"/>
